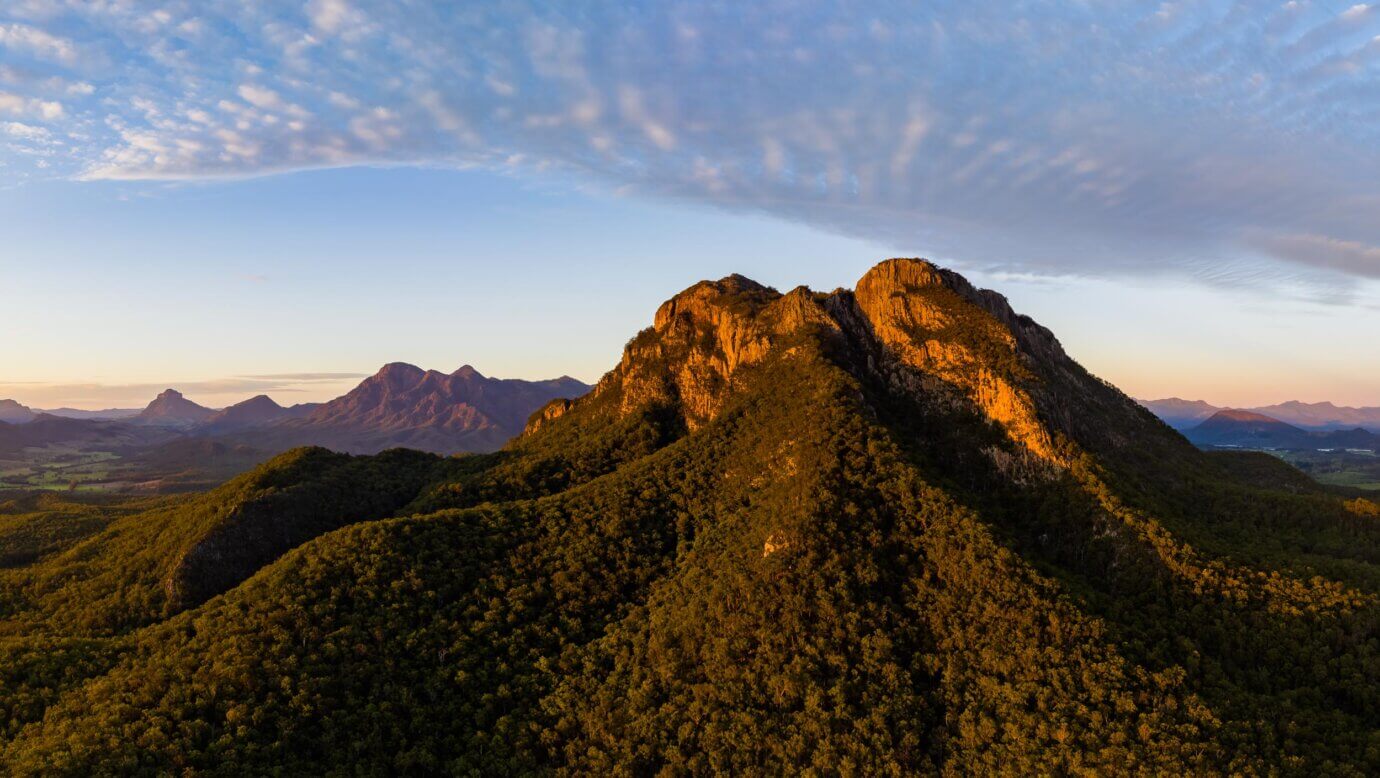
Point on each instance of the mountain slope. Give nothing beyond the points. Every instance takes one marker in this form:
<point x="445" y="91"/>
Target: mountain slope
<point x="893" y="531"/>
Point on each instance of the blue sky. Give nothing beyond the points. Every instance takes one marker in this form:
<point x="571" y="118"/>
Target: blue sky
<point x="242" y="196"/>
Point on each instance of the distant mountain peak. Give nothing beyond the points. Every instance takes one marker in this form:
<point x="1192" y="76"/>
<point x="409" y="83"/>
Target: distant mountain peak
<point x="14" y="413"/>
<point x="261" y="399"/>
<point x="171" y="408"/>
<point x="400" y="369"/>
<point x="256" y="411"/>
<point x="403" y="405"/>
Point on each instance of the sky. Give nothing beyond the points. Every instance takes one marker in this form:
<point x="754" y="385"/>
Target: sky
<point x="243" y="197"/>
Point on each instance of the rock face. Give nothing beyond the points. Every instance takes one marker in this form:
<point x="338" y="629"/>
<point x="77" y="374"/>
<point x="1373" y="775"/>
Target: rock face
<point x="924" y="327"/>
<point x="932" y="320"/>
<point x="701" y="337"/>
<point x="405" y="406"/>
<point x="171" y="409"/>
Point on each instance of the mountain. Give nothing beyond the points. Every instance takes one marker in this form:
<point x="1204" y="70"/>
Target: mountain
<point x="12" y="412"/>
<point x="1184" y="414"/>
<point x="1324" y="415"/>
<point x="1232" y="427"/>
<point x="1180" y="414"/>
<point x="1247" y="429"/>
<point x="406" y="406"/>
<point x="892" y="530"/>
<point x="171" y="409"/>
<point x="255" y="412"/>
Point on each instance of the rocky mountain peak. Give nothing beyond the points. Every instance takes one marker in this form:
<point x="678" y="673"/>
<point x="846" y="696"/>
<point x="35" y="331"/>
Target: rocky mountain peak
<point x="924" y="328"/>
<point x="400" y="371"/>
<point x="468" y="372"/>
<point x="171" y="408"/>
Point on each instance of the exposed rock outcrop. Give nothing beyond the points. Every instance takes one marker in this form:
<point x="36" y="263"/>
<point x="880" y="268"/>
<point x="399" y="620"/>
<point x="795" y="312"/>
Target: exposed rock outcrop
<point x="929" y="328"/>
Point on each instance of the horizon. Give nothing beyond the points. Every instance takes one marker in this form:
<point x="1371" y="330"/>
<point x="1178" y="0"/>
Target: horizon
<point x="200" y="197"/>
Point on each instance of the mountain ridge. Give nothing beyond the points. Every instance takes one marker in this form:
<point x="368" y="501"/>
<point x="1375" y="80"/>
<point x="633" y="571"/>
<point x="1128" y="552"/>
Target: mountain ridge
<point x="1183" y="414"/>
<point x="1248" y="429"/>
<point x="404" y="405"/>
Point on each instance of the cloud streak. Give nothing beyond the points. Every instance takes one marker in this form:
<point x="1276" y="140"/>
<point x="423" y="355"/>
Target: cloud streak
<point x="1051" y="137"/>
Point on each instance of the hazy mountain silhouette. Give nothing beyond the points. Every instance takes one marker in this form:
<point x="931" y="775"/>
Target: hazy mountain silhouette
<point x="1185" y="414"/>
<point x="12" y="412"/>
<point x="171" y="409"/>
<point x="405" y="406"/>
<point x="1247" y="429"/>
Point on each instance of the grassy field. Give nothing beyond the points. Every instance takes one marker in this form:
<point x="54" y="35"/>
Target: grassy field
<point x="178" y="467"/>
<point x="1338" y="468"/>
<point x="58" y="468"/>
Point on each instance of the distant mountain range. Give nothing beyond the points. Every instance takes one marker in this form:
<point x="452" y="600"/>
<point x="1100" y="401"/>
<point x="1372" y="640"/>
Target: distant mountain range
<point x="1186" y="414"/>
<point x="12" y="412"/>
<point x="405" y="406"/>
<point x="401" y="406"/>
<point x="1248" y="429"/>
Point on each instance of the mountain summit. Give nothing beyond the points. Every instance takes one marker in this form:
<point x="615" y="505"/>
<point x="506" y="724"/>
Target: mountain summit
<point x="257" y="411"/>
<point x="891" y="530"/>
<point x="171" y="409"/>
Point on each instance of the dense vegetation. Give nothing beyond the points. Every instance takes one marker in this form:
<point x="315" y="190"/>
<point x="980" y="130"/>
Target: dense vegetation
<point x="837" y="573"/>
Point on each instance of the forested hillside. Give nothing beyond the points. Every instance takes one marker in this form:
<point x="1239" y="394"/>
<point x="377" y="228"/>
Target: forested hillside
<point x="887" y="531"/>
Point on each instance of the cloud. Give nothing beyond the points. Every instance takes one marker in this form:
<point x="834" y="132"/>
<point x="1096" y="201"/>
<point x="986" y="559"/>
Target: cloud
<point x="37" y="42"/>
<point x="1105" y="138"/>
<point x="307" y="376"/>
<point x="18" y="105"/>
<point x="1346" y="256"/>
<point x="24" y="131"/>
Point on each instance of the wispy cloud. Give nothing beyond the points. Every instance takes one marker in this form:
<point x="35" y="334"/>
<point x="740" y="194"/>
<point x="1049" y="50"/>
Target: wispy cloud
<point x="1049" y="137"/>
<point x="306" y="377"/>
